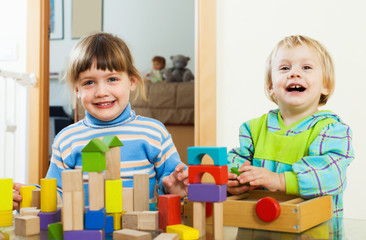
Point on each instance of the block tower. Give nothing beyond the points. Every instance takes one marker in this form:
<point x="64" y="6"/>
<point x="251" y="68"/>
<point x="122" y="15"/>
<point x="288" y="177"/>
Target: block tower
<point x="200" y="193"/>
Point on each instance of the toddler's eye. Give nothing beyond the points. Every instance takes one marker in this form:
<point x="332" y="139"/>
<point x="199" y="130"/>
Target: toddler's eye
<point x="88" y="83"/>
<point x="307" y="67"/>
<point x="284" y="68"/>
<point x="112" y="79"/>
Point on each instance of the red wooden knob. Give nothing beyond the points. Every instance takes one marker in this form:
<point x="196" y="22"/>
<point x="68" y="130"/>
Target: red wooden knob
<point x="268" y="209"/>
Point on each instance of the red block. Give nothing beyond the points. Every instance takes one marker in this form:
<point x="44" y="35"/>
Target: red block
<point x="220" y="173"/>
<point x="169" y="210"/>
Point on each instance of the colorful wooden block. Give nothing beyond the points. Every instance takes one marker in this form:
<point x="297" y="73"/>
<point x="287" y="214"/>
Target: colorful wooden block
<point x="141" y="196"/>
<point x="6" y="190"/>
<point x="78" y="206"/>
<point x="55" y="231"/>
<point x="219" y="173"/>
<point x="117" y="220"/>
<point x="36" y="198"/>
<point x="95" y="220"/>
<point x="29" y="211"/>
<point x="96" y="191"/>
<point x="67" y="213"/>
<point x="199" y="217"/>
<point x="48" y="218"/>
<point x="218" y="155"/>
<point x="127" y="199"/>
<point x="129" y="234"/>
<point x="203" y="192"/>
<point x="108" y="224"/>
<point x="6" y="218"/>
<point x="93" y="156"/>
<point x="167" y="236"/>
<point x="148" y="220"/>
<point x="113" y="157"/>
<point x="169" y="210"/>
<point x="113" y="196"/>
<point x="152" y="206"/>
<point x="184" y="232"/>
<point x="218" y="220"/>
<point x="26" y="193"/>
<point x="27" y="225"/>
<point x="72" y="180"/>
<point x="85" y="234"/>
<point x="130" y="220"/>
<point x="48" y="195"/>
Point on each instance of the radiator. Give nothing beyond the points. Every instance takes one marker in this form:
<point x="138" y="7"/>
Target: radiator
<point x="14" y="122"/>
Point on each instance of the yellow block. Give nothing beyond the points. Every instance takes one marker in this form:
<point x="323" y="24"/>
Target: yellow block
<point x="117" y="220"/>
<point x="48" y="195"/>
<point x="184" y="232"/>
<point x="6" y="218"/>
<point x="4" y="236"/>
<point x="26" y="193"/>
<point x="113" y="196"/>
<point x="6" y="193"/>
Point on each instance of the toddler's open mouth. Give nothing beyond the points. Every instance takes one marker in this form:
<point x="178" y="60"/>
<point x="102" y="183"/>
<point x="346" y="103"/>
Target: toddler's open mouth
<point x="295" y="88"/>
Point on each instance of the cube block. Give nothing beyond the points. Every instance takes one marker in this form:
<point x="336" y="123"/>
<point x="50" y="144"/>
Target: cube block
<point x="27" y="225"/>
<point x="184" y="232"/>
<point x="169" y="210"/>
<point x="48" y="218"/>
<point x="95" y="220"/>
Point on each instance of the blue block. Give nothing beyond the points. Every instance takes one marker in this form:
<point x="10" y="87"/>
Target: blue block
<point x="152" y="206"/>
<point x="95" y="220"/>
<point x="206" y="192"/>
<point x="109" y="224"/>
<point x="218" y="155"/>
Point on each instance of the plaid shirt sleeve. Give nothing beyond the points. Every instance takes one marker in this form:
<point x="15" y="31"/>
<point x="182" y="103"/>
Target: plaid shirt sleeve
<point x="237" y="156"/>
<point x="323" y="172"/>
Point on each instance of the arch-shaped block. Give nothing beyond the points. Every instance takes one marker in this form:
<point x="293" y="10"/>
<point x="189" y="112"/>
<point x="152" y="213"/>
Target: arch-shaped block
<point x="218" y="155"/>
<point x="219" y="173"/>
<point x="203" y="192"/>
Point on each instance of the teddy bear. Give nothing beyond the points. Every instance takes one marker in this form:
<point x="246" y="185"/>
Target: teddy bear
<point x="179" y="72"/>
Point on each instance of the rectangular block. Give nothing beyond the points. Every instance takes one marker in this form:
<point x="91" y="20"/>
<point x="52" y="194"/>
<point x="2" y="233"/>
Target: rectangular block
<point x="183" y="231"/>
<point x="29" y="211"/>
<point x="127" y="199"/>
<point x="85" y="234"/>
<point x="78" y="206"/>
<point x="109" y="224"/>
<point x="36" y="198"/>
<point x="26" y="193"/>
<point x="167" y="236"/>
<point x="72" y="180"/>
<point x="113" y="196"/>
<point x="206" y="192"/>
<point x="67" y="213"/>
<point x="169" y="210"/>
<point x="27" y="225"/>
<point x="218" y="155"/>
<point x="148" y="220"/>
<point x="96" y="191"/>
<point x="117" y="220"/>
<point x="6" y="218"/>
<point x="113" y="161"/>
<point x="95" y="220"/>
<point x="6" y="192"/>
<point x="141" y="193"/>
<point x="219" y="173"/>
<point x="130" y="220"/>
<point x="48" y="195"/>
<point x="129" y="234"/>
<point x="46" y="218"/>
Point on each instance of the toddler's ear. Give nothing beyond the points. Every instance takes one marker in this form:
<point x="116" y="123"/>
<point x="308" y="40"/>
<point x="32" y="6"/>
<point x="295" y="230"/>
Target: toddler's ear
<point x="325" y="91"/>
<point x="77" y="93"/>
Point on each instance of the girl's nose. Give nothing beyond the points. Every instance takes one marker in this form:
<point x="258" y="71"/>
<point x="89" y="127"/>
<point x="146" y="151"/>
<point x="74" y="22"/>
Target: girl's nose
<point x="294" y="73"/>
<point x="101" y="90"/>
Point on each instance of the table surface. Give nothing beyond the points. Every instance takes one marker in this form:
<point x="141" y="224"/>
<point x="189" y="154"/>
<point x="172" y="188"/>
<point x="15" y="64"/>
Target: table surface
<point x="351" y="229"/>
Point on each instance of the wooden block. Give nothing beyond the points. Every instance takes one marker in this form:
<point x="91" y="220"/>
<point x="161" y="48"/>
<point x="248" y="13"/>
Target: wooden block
<point x="48" y="218"/>
<point x="109" y="226"/>
<point x="219" y="173"/>
<point x="218" y="155"/>
<point x="85" y="234"/>
<point x="183" y="231"/>
<point x="95" y="220"/>
<point x="113" y="158"/>
<point x="78" y="206"/>
<point x="218" y="220"/>
<point x="167" y="236"/>
<point x="205" y="192"/>
<point x="67" y="213"/>
<point x="29" y="211"/>
<point x="36" y="198"/>
<point x="6" y="190"/>
<point x="93" y="156"/>
<point x="148" y="220"/>
<point x="96" y="191"/>
<point x="6" y="218"/>
<point x="199" y="217"/>
<point x="26" y="193"/>
<point x="129" y="234"/>
<point x="117" y="220"/>
<point x="4" y="236"/>
<point x="27" y="225"/>
<point x="72" y="180"/>
<point x="141" y="197"/>
<point x="169" y="210"/>
<point x="48" y="195"/>
<point x="130" y="220"/>
<point x="113" y="196"/>
<point x="127" y="199"/>
<point x="55" y="231"/>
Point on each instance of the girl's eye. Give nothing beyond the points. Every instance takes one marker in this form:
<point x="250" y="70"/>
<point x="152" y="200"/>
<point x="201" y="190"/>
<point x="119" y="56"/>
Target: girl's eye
<point x="112" y="79"/>
<point x="284" y="68"/>
<point x="307" y="67"/>
<point x="88" y="83"/>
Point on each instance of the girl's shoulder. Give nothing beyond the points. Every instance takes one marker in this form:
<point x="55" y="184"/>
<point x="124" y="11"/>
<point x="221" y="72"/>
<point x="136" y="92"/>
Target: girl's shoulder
<point x="150" y="123"/>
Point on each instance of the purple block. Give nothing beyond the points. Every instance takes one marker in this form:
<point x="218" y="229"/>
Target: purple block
<point x="46" y="218"/>
<point x="205" y="192"/>
<point x="84" y="234"/>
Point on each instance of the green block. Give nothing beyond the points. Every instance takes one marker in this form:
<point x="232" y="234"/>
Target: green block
<point x="93" y="161"/>
<point x="112" y="141"/>
<point x="235" y="170"/>
<point x="95" y="145"/>
<point x="55" y="231"/>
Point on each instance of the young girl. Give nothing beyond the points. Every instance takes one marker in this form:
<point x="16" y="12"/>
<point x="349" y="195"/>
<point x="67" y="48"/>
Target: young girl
<point x="102" y="73"/>
<point x="295" y="149"/>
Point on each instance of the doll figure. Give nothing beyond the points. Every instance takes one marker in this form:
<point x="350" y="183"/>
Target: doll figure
<point x="156" y="74"/>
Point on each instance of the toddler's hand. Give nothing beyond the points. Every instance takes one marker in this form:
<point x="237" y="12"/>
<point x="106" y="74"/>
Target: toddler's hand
<point x="233" y="183"/>
<point x="177" y="181"/>
<point x="16" y="195"/>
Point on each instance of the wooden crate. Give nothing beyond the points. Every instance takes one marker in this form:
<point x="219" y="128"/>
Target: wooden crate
<point x="297" y="214"/>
